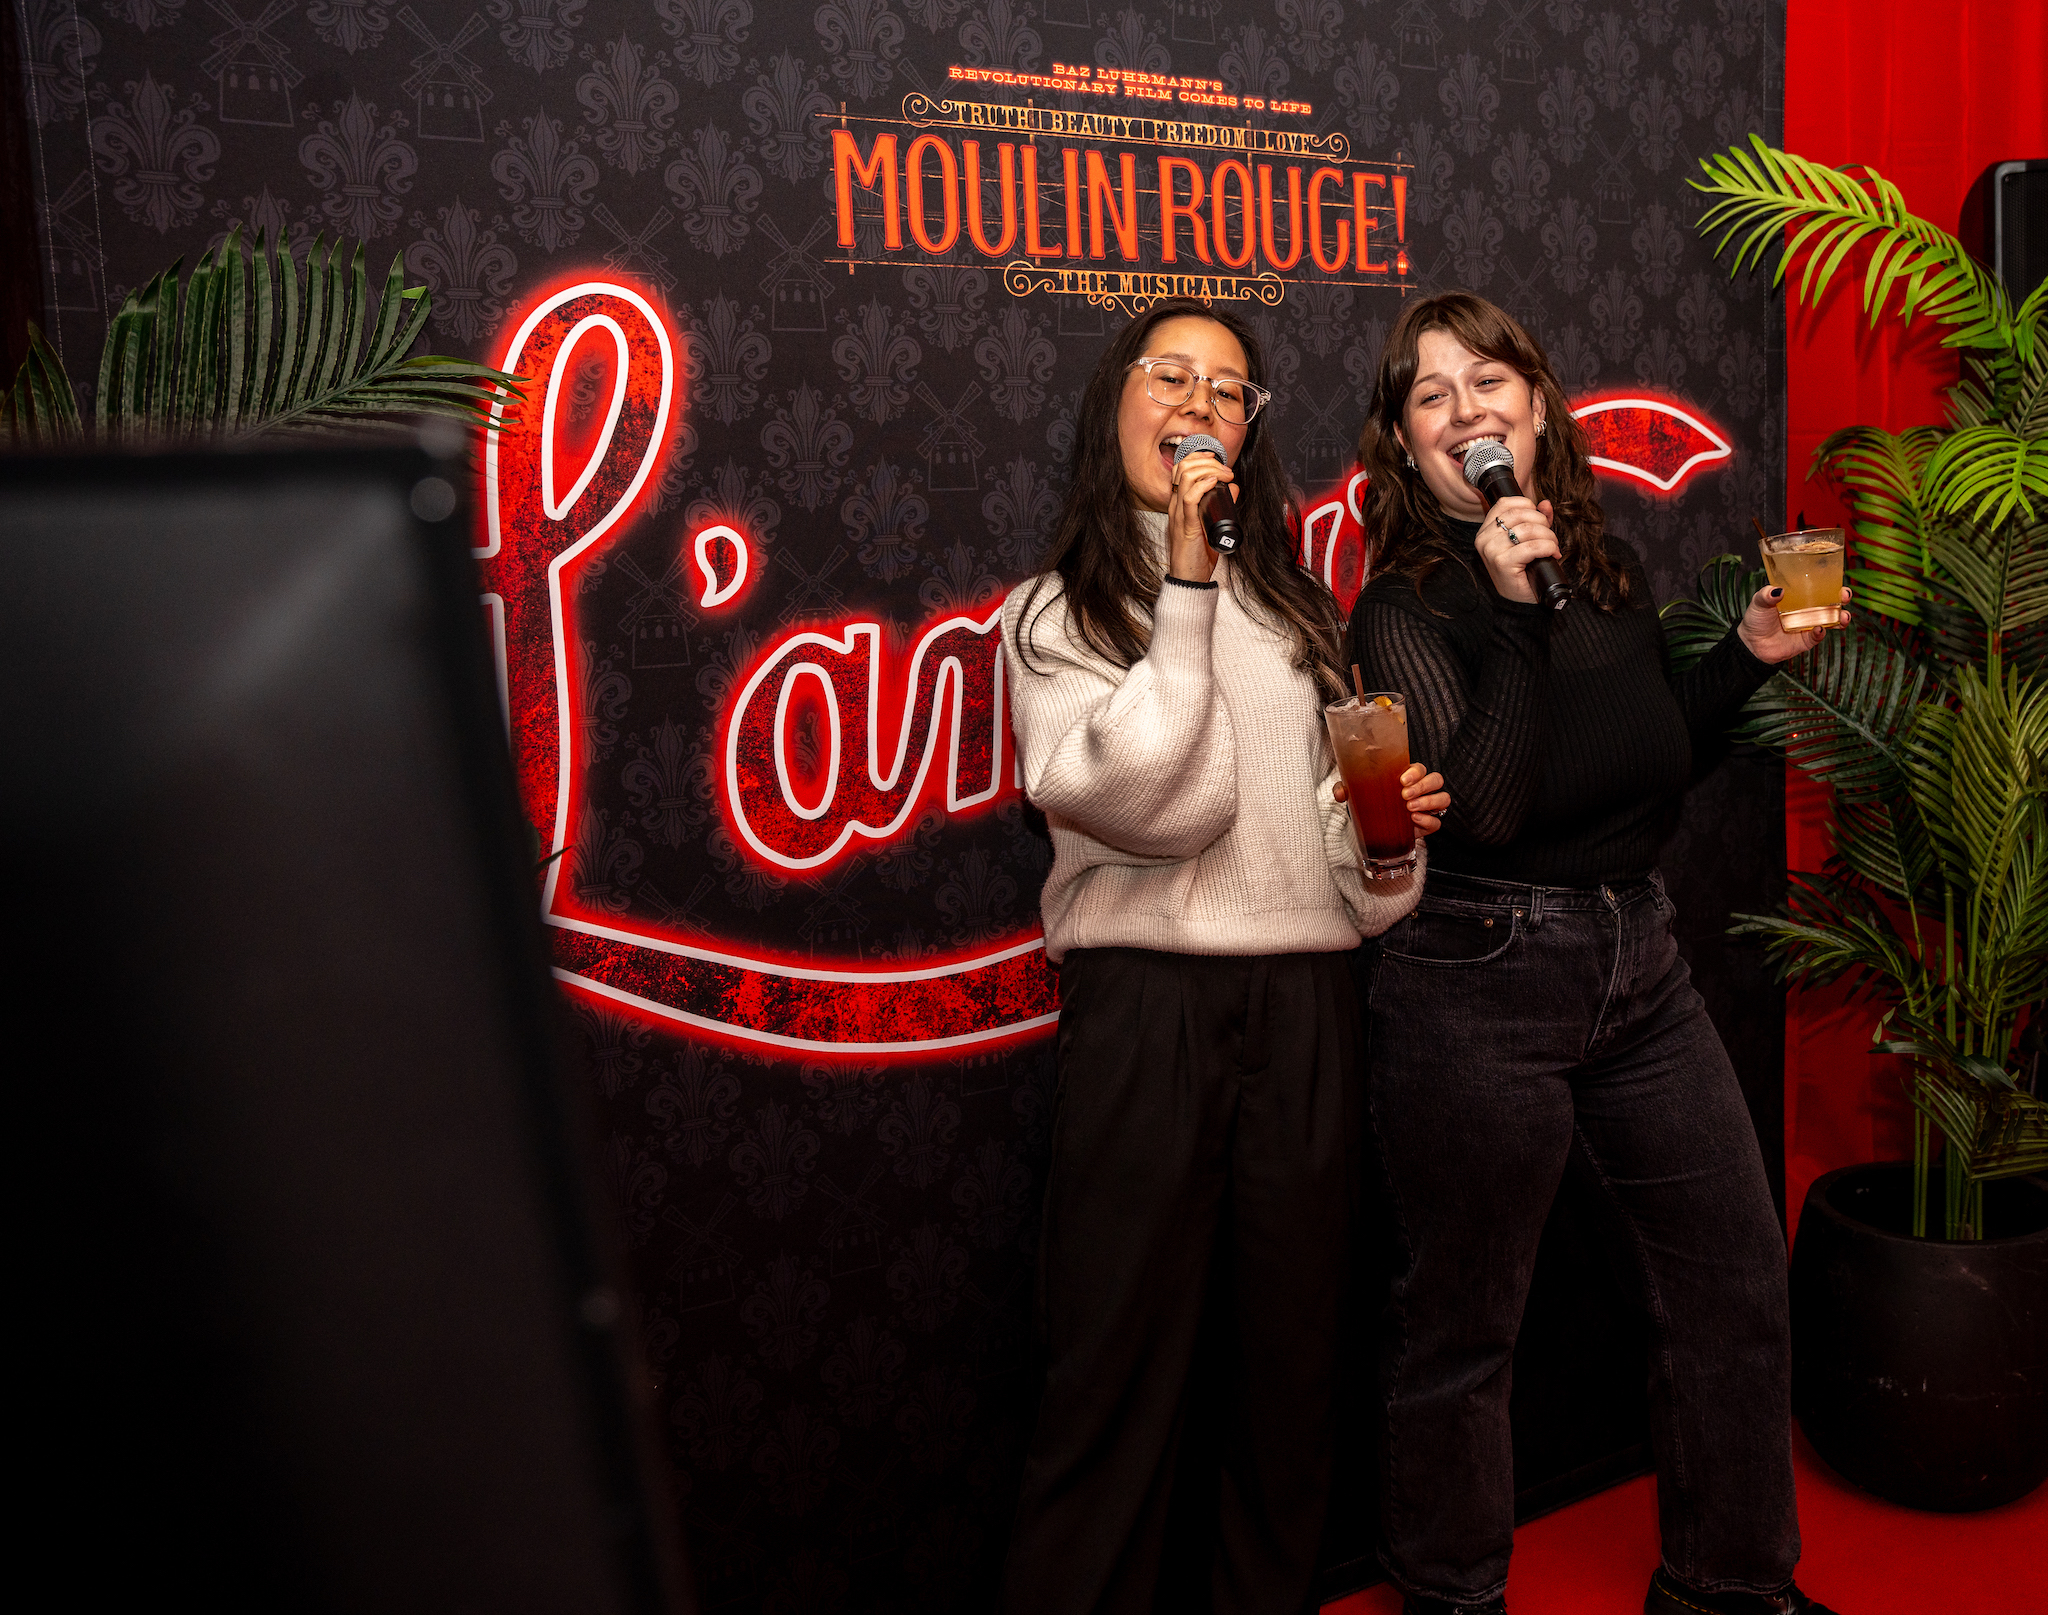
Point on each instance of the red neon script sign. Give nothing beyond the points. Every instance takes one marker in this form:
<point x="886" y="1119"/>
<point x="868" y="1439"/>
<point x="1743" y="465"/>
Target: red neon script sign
<point x="552" y="507"/>
<point x="955" y="682"/>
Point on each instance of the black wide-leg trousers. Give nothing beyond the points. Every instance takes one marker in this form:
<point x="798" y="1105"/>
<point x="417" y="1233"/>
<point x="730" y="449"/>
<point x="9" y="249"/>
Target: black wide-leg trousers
<point x="1202" y="1106"/>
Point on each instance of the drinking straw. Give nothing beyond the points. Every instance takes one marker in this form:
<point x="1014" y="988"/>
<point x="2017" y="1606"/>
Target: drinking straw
<point x="1759" y="526"/>
<point x="1358" y="681"/>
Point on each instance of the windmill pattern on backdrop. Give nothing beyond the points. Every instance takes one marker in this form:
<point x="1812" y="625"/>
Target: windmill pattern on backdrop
<point x="834" y="1255"/>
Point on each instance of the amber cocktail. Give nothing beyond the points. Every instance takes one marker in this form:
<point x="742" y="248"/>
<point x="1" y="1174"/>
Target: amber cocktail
<point x="1370" y="737"/>
<point x="1808" y="567"/>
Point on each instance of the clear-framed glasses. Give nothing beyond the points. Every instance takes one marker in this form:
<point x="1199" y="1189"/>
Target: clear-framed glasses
<point x="1172" y="383"/>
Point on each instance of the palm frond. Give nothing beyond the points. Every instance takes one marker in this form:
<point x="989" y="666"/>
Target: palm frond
<point x="1934" y="732"/>
<point x="1990" y="468"/>
<point x="1879" y="473"/>
<point x="1831" y="928"/>
<point x="1977" y="773"/>
<point x="40" y="410"/>
<point x="1694" y="627"/>
<point x="2025" y="406"/>
<point x="1842" y="711"/>
<point x="1764" y="193"/>
<point x="1996" y="1129"/>
<point x="2003" y="384"/>
<point x="1885" y="842"/>
<point x="2001" y="573"/>
<point x="253" y="343"/>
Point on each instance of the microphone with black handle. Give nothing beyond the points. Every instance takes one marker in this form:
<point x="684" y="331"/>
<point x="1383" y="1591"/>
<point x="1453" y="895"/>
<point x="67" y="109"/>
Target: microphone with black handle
<point x="1219" y="511"/>
<point x="1490" y="467"/>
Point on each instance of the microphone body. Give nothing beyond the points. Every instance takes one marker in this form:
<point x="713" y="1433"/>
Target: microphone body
<point x="1490" y="468"/>
<point x="1219" y="510"/>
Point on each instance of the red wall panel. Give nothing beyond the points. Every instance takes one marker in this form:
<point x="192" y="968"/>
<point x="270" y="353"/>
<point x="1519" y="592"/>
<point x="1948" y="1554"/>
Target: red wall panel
<point x="1929" y="96"/>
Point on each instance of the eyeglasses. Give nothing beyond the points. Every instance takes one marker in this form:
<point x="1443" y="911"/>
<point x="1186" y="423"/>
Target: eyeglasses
<point x="1169" y="382"/>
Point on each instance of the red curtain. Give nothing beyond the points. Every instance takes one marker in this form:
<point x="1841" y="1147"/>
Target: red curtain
<point x="1929" y="95"/>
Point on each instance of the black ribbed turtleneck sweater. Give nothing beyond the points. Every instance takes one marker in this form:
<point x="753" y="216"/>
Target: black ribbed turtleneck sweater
<point x="1564" y="738"/>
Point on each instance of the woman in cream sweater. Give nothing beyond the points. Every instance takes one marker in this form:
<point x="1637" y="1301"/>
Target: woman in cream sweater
<point x="1204" y="892"/>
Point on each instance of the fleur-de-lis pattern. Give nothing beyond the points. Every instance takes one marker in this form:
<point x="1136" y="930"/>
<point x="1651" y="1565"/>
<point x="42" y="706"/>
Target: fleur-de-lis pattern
<point x="728" y="356"/>
<point x="1016" y="360"/>
<point x="1254" y="62"/>
<point x="1470" y="102"/>
<point x="717" y="188"/>
<point x="876" y="360"/>
<point x="948" y="301"/>
<point x="1309" y="29"/>
<point x="1367" y="87"/>
<point x="807" y="445"/>
<point x="546" y="177"/>
<point x="863" y="1371"/>
<point x="886" y="520"/>
<point x="1131" y="40"/>
<point x="708" y="35"/>
<point x="538" y="33"/>
<point x="833" y="1257"/>
<point x="348" y="25"/>
<point x="468" y="268"/>
<point x="783" y="110"/>
<point x="147" y="14"/>
<point x="629" y="102"/>
<point x="863" y="40"/>
<point x="158" y="154"/>
<point x="61" y="49"/>
<point x="360" y="167"/>
<point x="999" y="34"/>
<point x="1523" y="180"/>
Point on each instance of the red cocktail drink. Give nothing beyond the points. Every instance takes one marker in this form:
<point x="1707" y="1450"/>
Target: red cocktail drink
<point x="1370" y="738"/>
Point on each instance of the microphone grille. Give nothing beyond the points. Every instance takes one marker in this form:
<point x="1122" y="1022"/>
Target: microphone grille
<point x="1483" y="457"/>
<point x="1199" y="443"/>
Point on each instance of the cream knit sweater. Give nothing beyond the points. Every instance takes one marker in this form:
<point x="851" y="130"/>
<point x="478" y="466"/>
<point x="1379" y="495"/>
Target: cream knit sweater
<point x="1191" y="797"/>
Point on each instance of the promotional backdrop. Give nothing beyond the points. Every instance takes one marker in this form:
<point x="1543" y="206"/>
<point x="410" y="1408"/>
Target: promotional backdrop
<point x="805" y="297"/>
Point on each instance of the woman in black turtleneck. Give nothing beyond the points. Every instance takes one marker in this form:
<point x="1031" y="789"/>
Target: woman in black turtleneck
<point x="1533" y="1011"/>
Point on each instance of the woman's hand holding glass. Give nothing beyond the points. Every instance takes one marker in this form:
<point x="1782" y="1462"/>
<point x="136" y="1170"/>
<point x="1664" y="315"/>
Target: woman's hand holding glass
<point x="1423" y="791"/>
<point x="1766" y="635"/>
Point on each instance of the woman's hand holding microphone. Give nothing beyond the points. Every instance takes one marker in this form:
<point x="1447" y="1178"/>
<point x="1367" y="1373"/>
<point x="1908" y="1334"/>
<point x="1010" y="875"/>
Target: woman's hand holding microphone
<point x="1189" y="557"/>
<point x="1515" y="532"/>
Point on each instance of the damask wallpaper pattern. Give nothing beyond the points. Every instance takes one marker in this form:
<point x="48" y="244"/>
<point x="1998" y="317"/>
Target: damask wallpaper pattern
<point x="834" y="1259"/>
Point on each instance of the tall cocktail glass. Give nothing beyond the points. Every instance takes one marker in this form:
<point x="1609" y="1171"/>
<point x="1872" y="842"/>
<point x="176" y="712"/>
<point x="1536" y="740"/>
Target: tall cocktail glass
<point x="1807" y="565"/>
<point x="1370" y="737"/>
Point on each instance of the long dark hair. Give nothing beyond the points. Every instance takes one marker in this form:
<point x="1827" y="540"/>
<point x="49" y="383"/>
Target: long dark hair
<point x="1108" y="573"/>
<point x="1406" y="527"/>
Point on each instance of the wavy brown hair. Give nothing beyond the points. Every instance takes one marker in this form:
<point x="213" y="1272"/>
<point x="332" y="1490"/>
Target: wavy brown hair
<point x="1107" y="571"/>
<point x="1408" y="532"/>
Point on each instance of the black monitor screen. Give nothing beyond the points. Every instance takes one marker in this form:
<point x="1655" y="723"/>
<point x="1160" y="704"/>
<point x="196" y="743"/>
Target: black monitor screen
<point x="309" y="1278"/>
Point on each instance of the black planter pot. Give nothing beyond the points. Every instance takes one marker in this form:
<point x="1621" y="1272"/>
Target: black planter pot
<point x="1920" y="1366"/>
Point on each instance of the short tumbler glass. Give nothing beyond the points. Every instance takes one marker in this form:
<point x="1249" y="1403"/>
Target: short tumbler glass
<point x="1807" y="565"/>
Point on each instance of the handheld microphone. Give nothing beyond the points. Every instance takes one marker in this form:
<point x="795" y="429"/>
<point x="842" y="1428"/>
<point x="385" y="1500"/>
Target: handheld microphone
<point x="1490" y="467"/>
<point x="1219" y="511"/>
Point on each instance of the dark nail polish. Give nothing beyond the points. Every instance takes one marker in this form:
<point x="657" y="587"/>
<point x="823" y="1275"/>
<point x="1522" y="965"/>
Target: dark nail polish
<point x="1776" y="592"/>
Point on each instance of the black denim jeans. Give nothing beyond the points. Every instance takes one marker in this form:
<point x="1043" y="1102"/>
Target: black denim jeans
<point x="1510" y="1028"/>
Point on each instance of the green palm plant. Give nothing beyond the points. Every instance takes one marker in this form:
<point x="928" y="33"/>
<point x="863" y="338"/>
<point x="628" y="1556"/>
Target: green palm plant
<point x="1930" y="718"/>
<point x="253" y="343"/>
